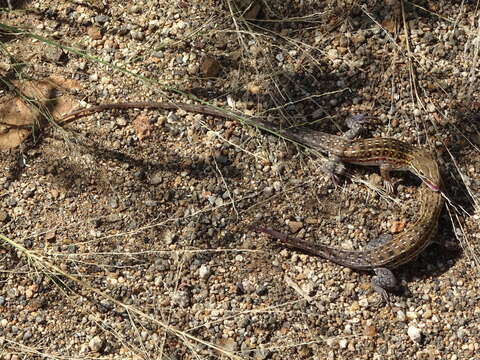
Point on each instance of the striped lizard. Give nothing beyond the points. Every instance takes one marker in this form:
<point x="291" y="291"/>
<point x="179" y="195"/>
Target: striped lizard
<point x="382" y="254"/>
<point x="388" y="154"/>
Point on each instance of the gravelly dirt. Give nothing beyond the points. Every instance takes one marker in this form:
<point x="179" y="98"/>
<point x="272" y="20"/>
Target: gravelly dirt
<point x="147" y="215"/>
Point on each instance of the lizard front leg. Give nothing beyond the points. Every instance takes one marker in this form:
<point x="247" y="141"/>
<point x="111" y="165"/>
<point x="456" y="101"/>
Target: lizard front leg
<point x="387" y="180"/>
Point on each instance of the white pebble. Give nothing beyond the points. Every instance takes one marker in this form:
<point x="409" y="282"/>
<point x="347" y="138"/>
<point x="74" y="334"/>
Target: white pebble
<point x="95" y="344"/>
<point x="363" y="302"/>
<point x="414" y="333"/>
<point x="204" y="272"/>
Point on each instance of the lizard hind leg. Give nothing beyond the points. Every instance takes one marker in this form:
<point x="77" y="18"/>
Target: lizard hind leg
<point x="383" y="282"/>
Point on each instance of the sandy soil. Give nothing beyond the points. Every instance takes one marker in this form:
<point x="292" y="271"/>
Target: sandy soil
<point x="128" y="234"/>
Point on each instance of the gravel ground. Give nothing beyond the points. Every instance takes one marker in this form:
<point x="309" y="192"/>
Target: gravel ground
<point x="133" y="228"/>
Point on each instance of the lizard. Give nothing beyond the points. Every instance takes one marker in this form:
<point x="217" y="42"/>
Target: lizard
<point x="389" y="154"/>
<point x="384" y="253"/>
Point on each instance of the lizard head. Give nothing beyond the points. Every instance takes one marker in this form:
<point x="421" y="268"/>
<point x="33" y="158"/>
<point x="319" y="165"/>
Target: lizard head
<point x="424" y="164"/>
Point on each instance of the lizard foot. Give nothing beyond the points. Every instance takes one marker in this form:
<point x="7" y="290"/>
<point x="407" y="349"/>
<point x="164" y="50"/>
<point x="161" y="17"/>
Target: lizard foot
<point x="384" y="281"/>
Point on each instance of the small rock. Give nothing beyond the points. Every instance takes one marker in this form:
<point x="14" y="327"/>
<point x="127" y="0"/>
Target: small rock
<point x="427" y="314"/>
<point x="151" y="203"/>
<point x="343" y="343"/>
<point x="96" y="344"/>
<point x="277" y="185"/>
<point x="28" y="243"/>
<point x="397" y="226"/>
<point x="137" y="35"/>
<point x="172" y="118"/>
<point x="113" y="218"/>
<point x="168" y="237"/>
<point x="204" y="272"/>
<point x="253" y="88"/>
<point x="295" y="226"/>
<point x="101" y="19"/>
<point x="182" y="299"/>
<point x="414" y="333"/>
<point x="411" y="315"/>
<point x="268" y="191"/>
<point x="218" y="201"/>
<point x="156" y="179"/>
<point x="113" y="202"/>
<point x="121" y="121"/>
<point x="26" y="335"/>
<point x="358" y="39"/>
<point x="3" y="216"/>
<point x="363" y="302"/>
<point x="136" y="9"/>
<point x="54" y="54"/>
<point x="370" y="330"/>
<point x="209" y="66"/>
<point x="376" y="180"/>
<point x="462" y="333"/>
<point x="94" y="32"/>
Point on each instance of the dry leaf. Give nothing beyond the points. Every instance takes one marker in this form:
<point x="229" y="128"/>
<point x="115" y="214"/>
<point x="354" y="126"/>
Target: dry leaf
<point x="16" y="116"/>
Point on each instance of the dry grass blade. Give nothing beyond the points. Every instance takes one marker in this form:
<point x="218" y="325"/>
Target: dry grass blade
<point x="86" y="287"/>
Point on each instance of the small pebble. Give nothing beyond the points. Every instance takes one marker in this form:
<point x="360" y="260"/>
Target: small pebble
<point x="101" y="19"/>
<point x="204" y="272"/>
<point x="414" y="333"/>
<point x="295" y="226"/>
<point x="96" y="344"/>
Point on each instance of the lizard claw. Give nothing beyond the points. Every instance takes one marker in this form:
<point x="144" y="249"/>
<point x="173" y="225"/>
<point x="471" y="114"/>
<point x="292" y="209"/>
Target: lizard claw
<point x="382" y="281"/>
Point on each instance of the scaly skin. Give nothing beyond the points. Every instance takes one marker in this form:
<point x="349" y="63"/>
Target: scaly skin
<point x="388" y="154"/>
<point x="380" y="255"/>
<point x="398" y="250"/>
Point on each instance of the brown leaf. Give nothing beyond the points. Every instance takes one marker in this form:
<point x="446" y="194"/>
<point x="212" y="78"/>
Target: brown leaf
<point x="17" y="116"/>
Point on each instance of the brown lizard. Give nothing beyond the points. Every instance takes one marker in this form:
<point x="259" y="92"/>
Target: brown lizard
<point x="382" y="254"/>
<point x="388" y="154"/>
